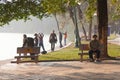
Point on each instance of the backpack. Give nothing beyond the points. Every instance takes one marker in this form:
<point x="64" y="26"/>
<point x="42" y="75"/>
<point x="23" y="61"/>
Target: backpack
<point x="30" y="42"/>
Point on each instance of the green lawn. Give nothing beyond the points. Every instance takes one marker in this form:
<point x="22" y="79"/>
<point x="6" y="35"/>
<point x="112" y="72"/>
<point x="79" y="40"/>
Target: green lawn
<point x="71" y="53"/>
<point x="114" y="50"/>
<point x="112" y="36"/>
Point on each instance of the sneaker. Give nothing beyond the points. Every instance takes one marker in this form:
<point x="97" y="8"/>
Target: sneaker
<point x="97" y="61"/>
<point x="91" y="60"/>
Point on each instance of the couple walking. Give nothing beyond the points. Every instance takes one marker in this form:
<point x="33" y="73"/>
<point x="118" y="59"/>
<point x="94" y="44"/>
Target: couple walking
<point x="60" y="38"/>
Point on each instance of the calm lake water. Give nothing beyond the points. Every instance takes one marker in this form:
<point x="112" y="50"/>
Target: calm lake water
<point x="10" y="41"/>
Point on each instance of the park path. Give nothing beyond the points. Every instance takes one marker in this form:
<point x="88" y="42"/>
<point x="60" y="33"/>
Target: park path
<point x="115" y="41"/>
<point x="72" y="70"/>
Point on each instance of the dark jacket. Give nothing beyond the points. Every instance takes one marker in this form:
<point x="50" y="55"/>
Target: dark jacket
<point x="53" y="38"/>
<point x="29" y="42"/>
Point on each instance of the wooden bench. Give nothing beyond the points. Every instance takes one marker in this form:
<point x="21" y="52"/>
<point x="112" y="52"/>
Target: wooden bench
<point x="83" y="50"/>
<point x="24" y="51"/>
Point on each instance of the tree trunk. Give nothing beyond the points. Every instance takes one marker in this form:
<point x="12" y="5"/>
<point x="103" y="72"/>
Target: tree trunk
<point x="57" y="22"/>
<point x="90" y="29"/>
<point x="71" y="14"/>
<point x="77" y="43"/>
<point x="84" y="31"/>
<point x="103" y="24"/>
<point x="80" y="15"/>
<point x="72" y="11"/>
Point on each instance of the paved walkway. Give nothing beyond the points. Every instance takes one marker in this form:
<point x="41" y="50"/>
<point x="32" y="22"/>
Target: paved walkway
<point x="115" y="41"/>
<point x="72" y="70"/>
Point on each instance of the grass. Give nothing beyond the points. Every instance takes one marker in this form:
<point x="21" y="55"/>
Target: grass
<point x="112" y="36"/>
<point x="114" y="50"/>
<point x="71" y="53"/>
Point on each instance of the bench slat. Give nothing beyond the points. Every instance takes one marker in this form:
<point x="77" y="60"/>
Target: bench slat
<point x="28" y="50"/>
<point x="25" y="51"/>
<point x="26" y="56"/>
<point x="83" y="48"/>
<point x="83" y="53"/>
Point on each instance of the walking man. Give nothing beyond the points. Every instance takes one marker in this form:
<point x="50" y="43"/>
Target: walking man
<point x="53" y="40"/>
<point x="60" y="39"/>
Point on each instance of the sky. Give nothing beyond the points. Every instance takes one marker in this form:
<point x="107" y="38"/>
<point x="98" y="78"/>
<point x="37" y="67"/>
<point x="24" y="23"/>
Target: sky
<point x="46" y="25"/>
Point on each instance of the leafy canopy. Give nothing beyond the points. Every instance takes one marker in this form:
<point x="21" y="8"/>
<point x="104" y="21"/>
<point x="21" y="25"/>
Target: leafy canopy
<point x="22" y="9"/>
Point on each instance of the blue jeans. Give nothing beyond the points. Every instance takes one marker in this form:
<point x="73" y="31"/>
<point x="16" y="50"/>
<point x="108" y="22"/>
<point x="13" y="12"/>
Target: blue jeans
<point x="61" y="43"/>
<point x="64" y="41"/>
<point x="41" y="45"/>
<point x="52" y="46"/>
<point x="97" y="52"/>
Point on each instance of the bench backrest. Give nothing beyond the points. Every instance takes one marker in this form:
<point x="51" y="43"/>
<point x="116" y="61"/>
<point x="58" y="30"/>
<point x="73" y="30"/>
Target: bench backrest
<point x="84" y="47"/>
<point x="28" y="50"/>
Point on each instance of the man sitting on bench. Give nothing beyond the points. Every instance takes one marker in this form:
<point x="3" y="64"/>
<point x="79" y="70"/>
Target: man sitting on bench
<point x="94" y="49"/>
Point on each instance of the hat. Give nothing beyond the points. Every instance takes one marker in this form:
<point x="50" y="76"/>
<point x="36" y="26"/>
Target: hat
<point x="35" y="34"/>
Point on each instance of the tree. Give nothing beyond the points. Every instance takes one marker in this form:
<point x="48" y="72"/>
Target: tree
<point x="114" y="6"/>
<point x="20" y="9"/>
<point x="80" y="15"/>
<point x="89" y="15"/>
<point x="103" y="23"/>
<point x="54" y="7"/>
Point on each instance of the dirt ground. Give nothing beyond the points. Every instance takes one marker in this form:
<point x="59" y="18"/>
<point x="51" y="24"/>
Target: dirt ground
<point x="70" y="70"/>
